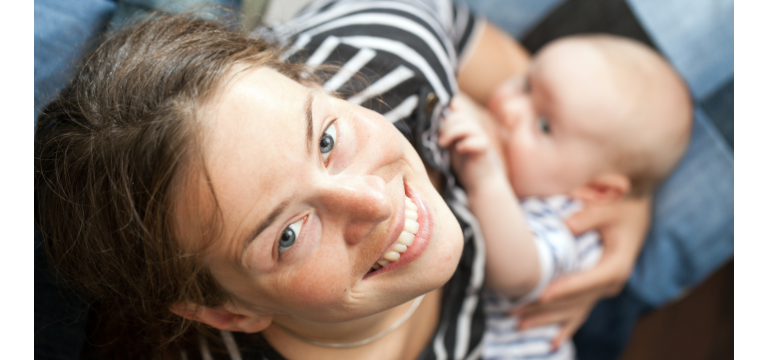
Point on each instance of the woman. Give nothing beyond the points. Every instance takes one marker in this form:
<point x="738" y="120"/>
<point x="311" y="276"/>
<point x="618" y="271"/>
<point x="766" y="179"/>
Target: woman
<point x="206" y="179"/>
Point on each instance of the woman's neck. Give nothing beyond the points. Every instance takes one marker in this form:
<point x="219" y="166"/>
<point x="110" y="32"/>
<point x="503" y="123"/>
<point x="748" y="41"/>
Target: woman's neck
<point x="405" y="342"/>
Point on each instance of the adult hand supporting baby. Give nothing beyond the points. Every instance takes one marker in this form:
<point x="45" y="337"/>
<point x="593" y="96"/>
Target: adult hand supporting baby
<point x="622" y="225"/>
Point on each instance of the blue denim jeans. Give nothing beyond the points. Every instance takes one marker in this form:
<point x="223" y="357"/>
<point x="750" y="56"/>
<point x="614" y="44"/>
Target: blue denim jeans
<point x="62" y="30"/>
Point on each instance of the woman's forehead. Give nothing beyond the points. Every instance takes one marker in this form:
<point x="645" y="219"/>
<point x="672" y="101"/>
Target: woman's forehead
<point x="257" y="105"/>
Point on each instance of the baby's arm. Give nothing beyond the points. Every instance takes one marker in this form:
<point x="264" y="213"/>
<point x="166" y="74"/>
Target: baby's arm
<point x="512" y="266"/>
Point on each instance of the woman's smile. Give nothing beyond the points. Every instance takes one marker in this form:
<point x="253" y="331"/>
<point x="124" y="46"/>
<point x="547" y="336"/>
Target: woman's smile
<point x="409" y="239"/>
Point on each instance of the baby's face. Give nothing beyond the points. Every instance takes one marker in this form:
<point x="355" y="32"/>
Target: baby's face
<point x="554" y="123"/>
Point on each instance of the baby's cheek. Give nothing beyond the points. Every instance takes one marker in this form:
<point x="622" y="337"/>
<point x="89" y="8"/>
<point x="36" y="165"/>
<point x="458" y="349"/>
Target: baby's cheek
<point x="516" y="160"/>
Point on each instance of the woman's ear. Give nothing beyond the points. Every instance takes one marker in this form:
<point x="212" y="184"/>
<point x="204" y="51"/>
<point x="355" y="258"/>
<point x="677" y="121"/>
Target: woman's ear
<point x="225" y="317"/>
<point x="603" y="188"/>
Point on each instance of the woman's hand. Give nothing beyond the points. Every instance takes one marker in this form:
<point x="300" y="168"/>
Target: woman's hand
<point x="622" y="225"/>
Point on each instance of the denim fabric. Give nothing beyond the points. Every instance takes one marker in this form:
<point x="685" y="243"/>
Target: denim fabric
<point x="692" y="231"/>
<point x="719" y="107"/>
<point x="62" y="29"/>
<point x="696" y="36"/>
<point x="515" y="16"/>
<point x="126" y="9"/>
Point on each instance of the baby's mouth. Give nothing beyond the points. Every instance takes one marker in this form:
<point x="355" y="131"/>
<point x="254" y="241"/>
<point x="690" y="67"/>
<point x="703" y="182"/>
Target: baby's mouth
<point x="405" y="239"/>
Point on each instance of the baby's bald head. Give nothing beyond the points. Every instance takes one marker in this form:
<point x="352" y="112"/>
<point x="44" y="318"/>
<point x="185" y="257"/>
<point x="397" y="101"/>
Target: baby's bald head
<point x="626" y="97"/>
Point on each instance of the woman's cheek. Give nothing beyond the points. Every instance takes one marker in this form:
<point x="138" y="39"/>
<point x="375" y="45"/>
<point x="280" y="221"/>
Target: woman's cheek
<point x="319" y="284"/>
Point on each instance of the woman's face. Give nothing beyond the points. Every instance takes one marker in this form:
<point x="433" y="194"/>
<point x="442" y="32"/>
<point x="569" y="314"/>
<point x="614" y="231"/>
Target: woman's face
<point x="312" y="193"/>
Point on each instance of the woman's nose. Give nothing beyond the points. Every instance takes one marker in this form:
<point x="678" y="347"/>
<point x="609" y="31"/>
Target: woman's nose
<point x="356" y="203"/>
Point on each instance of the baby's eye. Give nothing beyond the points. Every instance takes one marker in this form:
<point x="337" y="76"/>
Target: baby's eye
<point x="288" y="238"/>
<point x="327" y="141"/>
<point x="543" y="124"/>
<point x="526" y="85"/>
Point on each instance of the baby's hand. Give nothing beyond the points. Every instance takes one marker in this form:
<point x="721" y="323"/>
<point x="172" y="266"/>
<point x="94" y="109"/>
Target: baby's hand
<point x="472" y="155"/>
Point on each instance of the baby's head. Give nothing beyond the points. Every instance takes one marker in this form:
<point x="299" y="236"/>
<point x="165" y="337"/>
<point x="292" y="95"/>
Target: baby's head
<point x="596" y="117"/>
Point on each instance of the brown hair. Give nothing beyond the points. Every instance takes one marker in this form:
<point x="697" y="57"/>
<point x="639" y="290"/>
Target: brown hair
<point x="113" y="152"/>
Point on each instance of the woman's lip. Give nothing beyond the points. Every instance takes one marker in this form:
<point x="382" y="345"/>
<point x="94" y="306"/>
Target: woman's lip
<point x="421" y="240"/>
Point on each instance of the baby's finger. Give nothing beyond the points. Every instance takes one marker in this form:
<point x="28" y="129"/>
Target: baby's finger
<point x="472" y="145"/>
<point x="542" y="319"/>
<point x="454" y="131"/>
<point x="591" y="217"/>
<point x="539" y="307"/>
<point x="588" y="281"/>
<point x="567" y="329"/>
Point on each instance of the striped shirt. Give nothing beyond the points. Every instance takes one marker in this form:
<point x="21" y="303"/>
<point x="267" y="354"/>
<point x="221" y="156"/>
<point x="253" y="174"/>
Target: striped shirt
<point x="398" y="58"/>
<point x="560" y="253"/>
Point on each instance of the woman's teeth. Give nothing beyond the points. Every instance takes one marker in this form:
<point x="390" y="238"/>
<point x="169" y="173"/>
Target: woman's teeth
<point x="405" y="239"/>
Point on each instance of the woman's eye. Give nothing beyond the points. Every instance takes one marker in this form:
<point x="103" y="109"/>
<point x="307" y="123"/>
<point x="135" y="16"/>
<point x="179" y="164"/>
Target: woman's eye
<point x="289" y="235"/>
<point x="327" y="141"/>
<point x="543" y="123"/>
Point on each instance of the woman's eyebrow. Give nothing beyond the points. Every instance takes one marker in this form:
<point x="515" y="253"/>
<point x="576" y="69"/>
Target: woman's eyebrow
<point x="265" y="224"/>
<point x="308" y="117"/>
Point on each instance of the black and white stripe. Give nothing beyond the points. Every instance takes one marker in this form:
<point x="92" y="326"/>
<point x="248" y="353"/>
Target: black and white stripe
<point x="426" y="36"/>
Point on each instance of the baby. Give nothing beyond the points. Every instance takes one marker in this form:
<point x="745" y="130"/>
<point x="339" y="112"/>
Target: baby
<point x="595" y="119"/>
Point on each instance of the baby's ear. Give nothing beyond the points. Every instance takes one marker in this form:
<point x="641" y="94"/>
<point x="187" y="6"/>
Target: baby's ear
<point x="603" y="188"/>
<point x="225" y="317"/>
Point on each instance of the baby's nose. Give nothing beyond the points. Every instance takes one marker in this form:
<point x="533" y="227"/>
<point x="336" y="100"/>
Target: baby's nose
<point x="514" y="112"/>
<point x="510" y="105"/>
